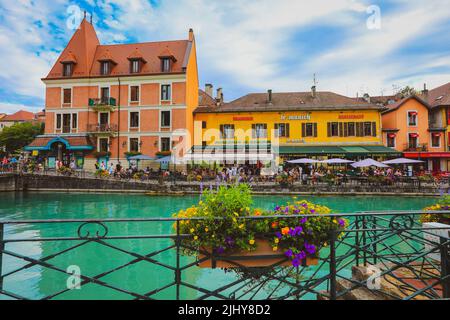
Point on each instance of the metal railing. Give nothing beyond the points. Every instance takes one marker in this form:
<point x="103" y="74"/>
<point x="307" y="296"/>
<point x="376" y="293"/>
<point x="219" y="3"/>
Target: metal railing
<point x="103" y="128"/>
<point x="409" y="258"/>
<point x="415" y="148"/>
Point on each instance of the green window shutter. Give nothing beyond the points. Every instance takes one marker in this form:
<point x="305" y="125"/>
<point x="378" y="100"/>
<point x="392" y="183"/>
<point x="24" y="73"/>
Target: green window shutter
<point x="287" y="130"/>
<point x="374" y="129"/>
<point x="345" y="129"/>
<point x="341" y="129"/>
<point x="303" y="130"/>
<point x="329" y="129"/>
<point x="221" y="131"/>
<point x="315" y="129"/>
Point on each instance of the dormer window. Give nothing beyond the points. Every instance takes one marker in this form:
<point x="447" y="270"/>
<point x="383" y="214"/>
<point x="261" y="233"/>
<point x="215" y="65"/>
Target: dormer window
<point x="135" y="66"/>
<point x="67" y="69"/>
<point x="166" y="64"/>
<point x="105" y="68"/>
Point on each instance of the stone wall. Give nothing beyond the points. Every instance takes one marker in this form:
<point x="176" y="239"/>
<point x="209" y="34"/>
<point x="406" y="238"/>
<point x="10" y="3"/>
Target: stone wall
<point x="7" y="182"/>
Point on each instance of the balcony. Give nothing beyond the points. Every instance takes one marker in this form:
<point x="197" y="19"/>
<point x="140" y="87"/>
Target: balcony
<point x="103" y="129"/>
<point x="415" y="148"/>
<point x="103" y="104"/>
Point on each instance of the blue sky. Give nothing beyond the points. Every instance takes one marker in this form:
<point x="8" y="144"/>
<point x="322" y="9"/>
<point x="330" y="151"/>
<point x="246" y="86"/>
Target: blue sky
<point x="243" y="46"/>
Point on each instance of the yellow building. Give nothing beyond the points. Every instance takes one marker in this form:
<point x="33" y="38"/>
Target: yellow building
<point x="294" y="125"/>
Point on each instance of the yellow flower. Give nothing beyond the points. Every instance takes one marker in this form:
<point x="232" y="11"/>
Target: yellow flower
<point x="206" y="229"/>
<point x="241" y="226"/>
<point x="236" y="214"/>
<point x="252" y="242"/>
<point x="196" y="237"/>
<point x="275" y="248"/>
<point x="192" y="230"/>
<point x="200" y="203"/>
<point x="277" y="240"/>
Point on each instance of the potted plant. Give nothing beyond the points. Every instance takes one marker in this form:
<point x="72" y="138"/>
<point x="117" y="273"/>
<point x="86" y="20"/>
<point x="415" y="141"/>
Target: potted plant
<point x="442" y="205"/>
<point x="102" y="154"/>
<point x="131" y="154"/>
<point x="226" y="237"/>
<point x="162" y="154"/>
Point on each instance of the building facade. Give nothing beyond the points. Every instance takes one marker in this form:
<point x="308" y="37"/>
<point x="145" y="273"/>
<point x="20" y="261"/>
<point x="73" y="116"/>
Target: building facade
<point x="304" y="124"/>
<point x="109" y="102"/>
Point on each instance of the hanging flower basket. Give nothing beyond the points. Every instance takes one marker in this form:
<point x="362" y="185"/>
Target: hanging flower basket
<point x="263" y="256"/>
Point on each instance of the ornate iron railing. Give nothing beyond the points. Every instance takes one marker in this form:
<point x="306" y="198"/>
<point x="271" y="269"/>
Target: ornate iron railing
<point x="382" y="255"/>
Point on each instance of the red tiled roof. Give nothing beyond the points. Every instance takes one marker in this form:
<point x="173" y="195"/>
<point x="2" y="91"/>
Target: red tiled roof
<point x="21" y="115"/>
<point x="73" y="141"/>
<point x="205" y="99"/>
<point x="290" y="101"/>
<point x="87" y="49"/>
<point x="439" y="96"/>
<point x="398" y="104"/>
<point x="70" y="57"/>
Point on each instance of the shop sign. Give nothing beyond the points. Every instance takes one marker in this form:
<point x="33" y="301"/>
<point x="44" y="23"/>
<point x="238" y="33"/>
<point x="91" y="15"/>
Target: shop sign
<point x="242" y="118"/>
<point x="295" y="141"/>
<point x="296" y="117"/>
<point x="351" y="116"/>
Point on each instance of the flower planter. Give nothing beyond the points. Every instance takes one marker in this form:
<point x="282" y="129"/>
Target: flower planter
<point x="263" y="256"/>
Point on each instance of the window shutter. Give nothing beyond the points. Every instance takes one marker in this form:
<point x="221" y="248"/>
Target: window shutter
<point x="221" y="131"/>
<point x="341" y="129"/>
<point x="287" y="130"/>
<point x="254" y="131"/>
<point x="315" y="130"/>
<point x="303" y="130"/>
<point x="374" y="129"/>
<point x="329" y="129"/>
<point x="358" y="129"/>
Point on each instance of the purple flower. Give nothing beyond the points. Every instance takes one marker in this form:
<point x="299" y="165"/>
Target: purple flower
<point x="301" y="255"/>
<point x="279" y="235"/>
<point x="310" y="248"/>
<point x="220" y="250"/>
<point x="296" y="211"/>
<point x="341" y="222"/>
<point x="277" y="208"/>
<point x="304" y="205"/>
<point x="312" y="211"/>
<point x="286" y="210"/>
<point x="298" y="230"/>
<point x="296" y="262"/>
<point x="289" y="253"/>
<point x="303" y="221"/>
<point x="229" y="242"/>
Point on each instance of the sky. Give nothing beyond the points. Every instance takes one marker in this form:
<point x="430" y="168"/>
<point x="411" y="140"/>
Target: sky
<point x="351" y="46"/>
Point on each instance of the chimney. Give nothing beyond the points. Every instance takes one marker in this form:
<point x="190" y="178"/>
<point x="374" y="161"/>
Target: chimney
<point x="269" y="96"/>
<point x="219" y="97"/>
<point x="209" y="89"/>
<point x="191" y="34"/>
<point x="425" y="90"/>
<point x="313" y="91"/>
<point x="366" y="97"/>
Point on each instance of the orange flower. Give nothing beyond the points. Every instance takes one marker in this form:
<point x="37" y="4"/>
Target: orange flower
<point x="285" y="230"/>
<point x="257" y="213"/>
<point x="274" y="225"/>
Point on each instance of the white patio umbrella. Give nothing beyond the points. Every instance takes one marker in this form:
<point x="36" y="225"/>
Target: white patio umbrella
<point x="337" y="161"/>
<point x="303" y="161"/>
<point x="402" y="161"/>
<point x="369" y="163"/>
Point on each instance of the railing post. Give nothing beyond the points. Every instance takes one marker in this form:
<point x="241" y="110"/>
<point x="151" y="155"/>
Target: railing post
<point x="445" y="267"/>
<point x="2" y="248"/>
<point x="357" y="244"/>
<point x="375" y="240"/>
<point x="177" y="270"/>
<point x="364" y="240"/>
<point x="333" y="293"/>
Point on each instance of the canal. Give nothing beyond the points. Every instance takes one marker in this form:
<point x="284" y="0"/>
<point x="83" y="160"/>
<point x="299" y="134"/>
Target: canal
<point x="92" y="259"/>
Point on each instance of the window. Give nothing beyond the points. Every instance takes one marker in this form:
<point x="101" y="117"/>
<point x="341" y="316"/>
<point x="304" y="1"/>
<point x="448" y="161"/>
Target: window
<point x="135" y="66"/>
<point x="134" y="93"/>
<point x="67" y="96"/>
<point x="391" y="140"/>
<point x="105" y="68"/>
<point x="203" y="124"/>
<point x="165" y="144"/>
<point x="58" y="121"/>
<point x="367" y="129"/>
<point x="309" y="129"/>
<point x="134" y="144"/>
<point x="103" y="145"/>
<point x="165" y="64"/>
<point x="351" y="129"/>
<point x="134" y="119"/>
<point x="259" y="130"/>
<point x="165" y="92"/>
<point x="105" y="95"/>
<point x="413" y="141"/>
<point x="333" y="129"/>
<point x="412" y="118"/>
<point x="74" y="121"/>
<point x="66" y="123"/>
<point x="435" y="140"/>
<point x="227" y="131"/>
<point x="282" y="130"/>
<point x="67" y="69"/>
<point x="165" y="119"/>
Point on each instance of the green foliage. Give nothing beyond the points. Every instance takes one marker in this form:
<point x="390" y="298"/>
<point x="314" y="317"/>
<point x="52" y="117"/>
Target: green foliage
<point x="19" y="135"/>
<point x="407" y="92"/>
<point x="442" y="205"/>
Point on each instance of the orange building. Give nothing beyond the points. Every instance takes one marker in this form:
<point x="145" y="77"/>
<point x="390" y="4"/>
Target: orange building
<point x="108" y="102"/>
<point x="407" y="128"/>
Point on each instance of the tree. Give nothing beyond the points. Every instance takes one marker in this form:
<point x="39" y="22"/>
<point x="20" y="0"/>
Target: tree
<point x="19" y="135"/>
<point x="407" y="92"/>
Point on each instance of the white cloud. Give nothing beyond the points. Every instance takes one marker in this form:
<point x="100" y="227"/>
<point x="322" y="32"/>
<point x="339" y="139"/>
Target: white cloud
<point x="14" y="107"/>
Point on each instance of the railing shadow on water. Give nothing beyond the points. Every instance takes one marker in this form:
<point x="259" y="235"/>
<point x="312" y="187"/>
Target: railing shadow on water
<point x="400" y="252"/>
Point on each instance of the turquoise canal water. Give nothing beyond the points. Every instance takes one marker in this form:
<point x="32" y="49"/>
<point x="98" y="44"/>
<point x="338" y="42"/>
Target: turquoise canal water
<point x="93" y="259"/>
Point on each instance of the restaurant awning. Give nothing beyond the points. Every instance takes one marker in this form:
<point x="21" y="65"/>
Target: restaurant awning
<point x="338" y="151"/>
<point x="73" y="143"/>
